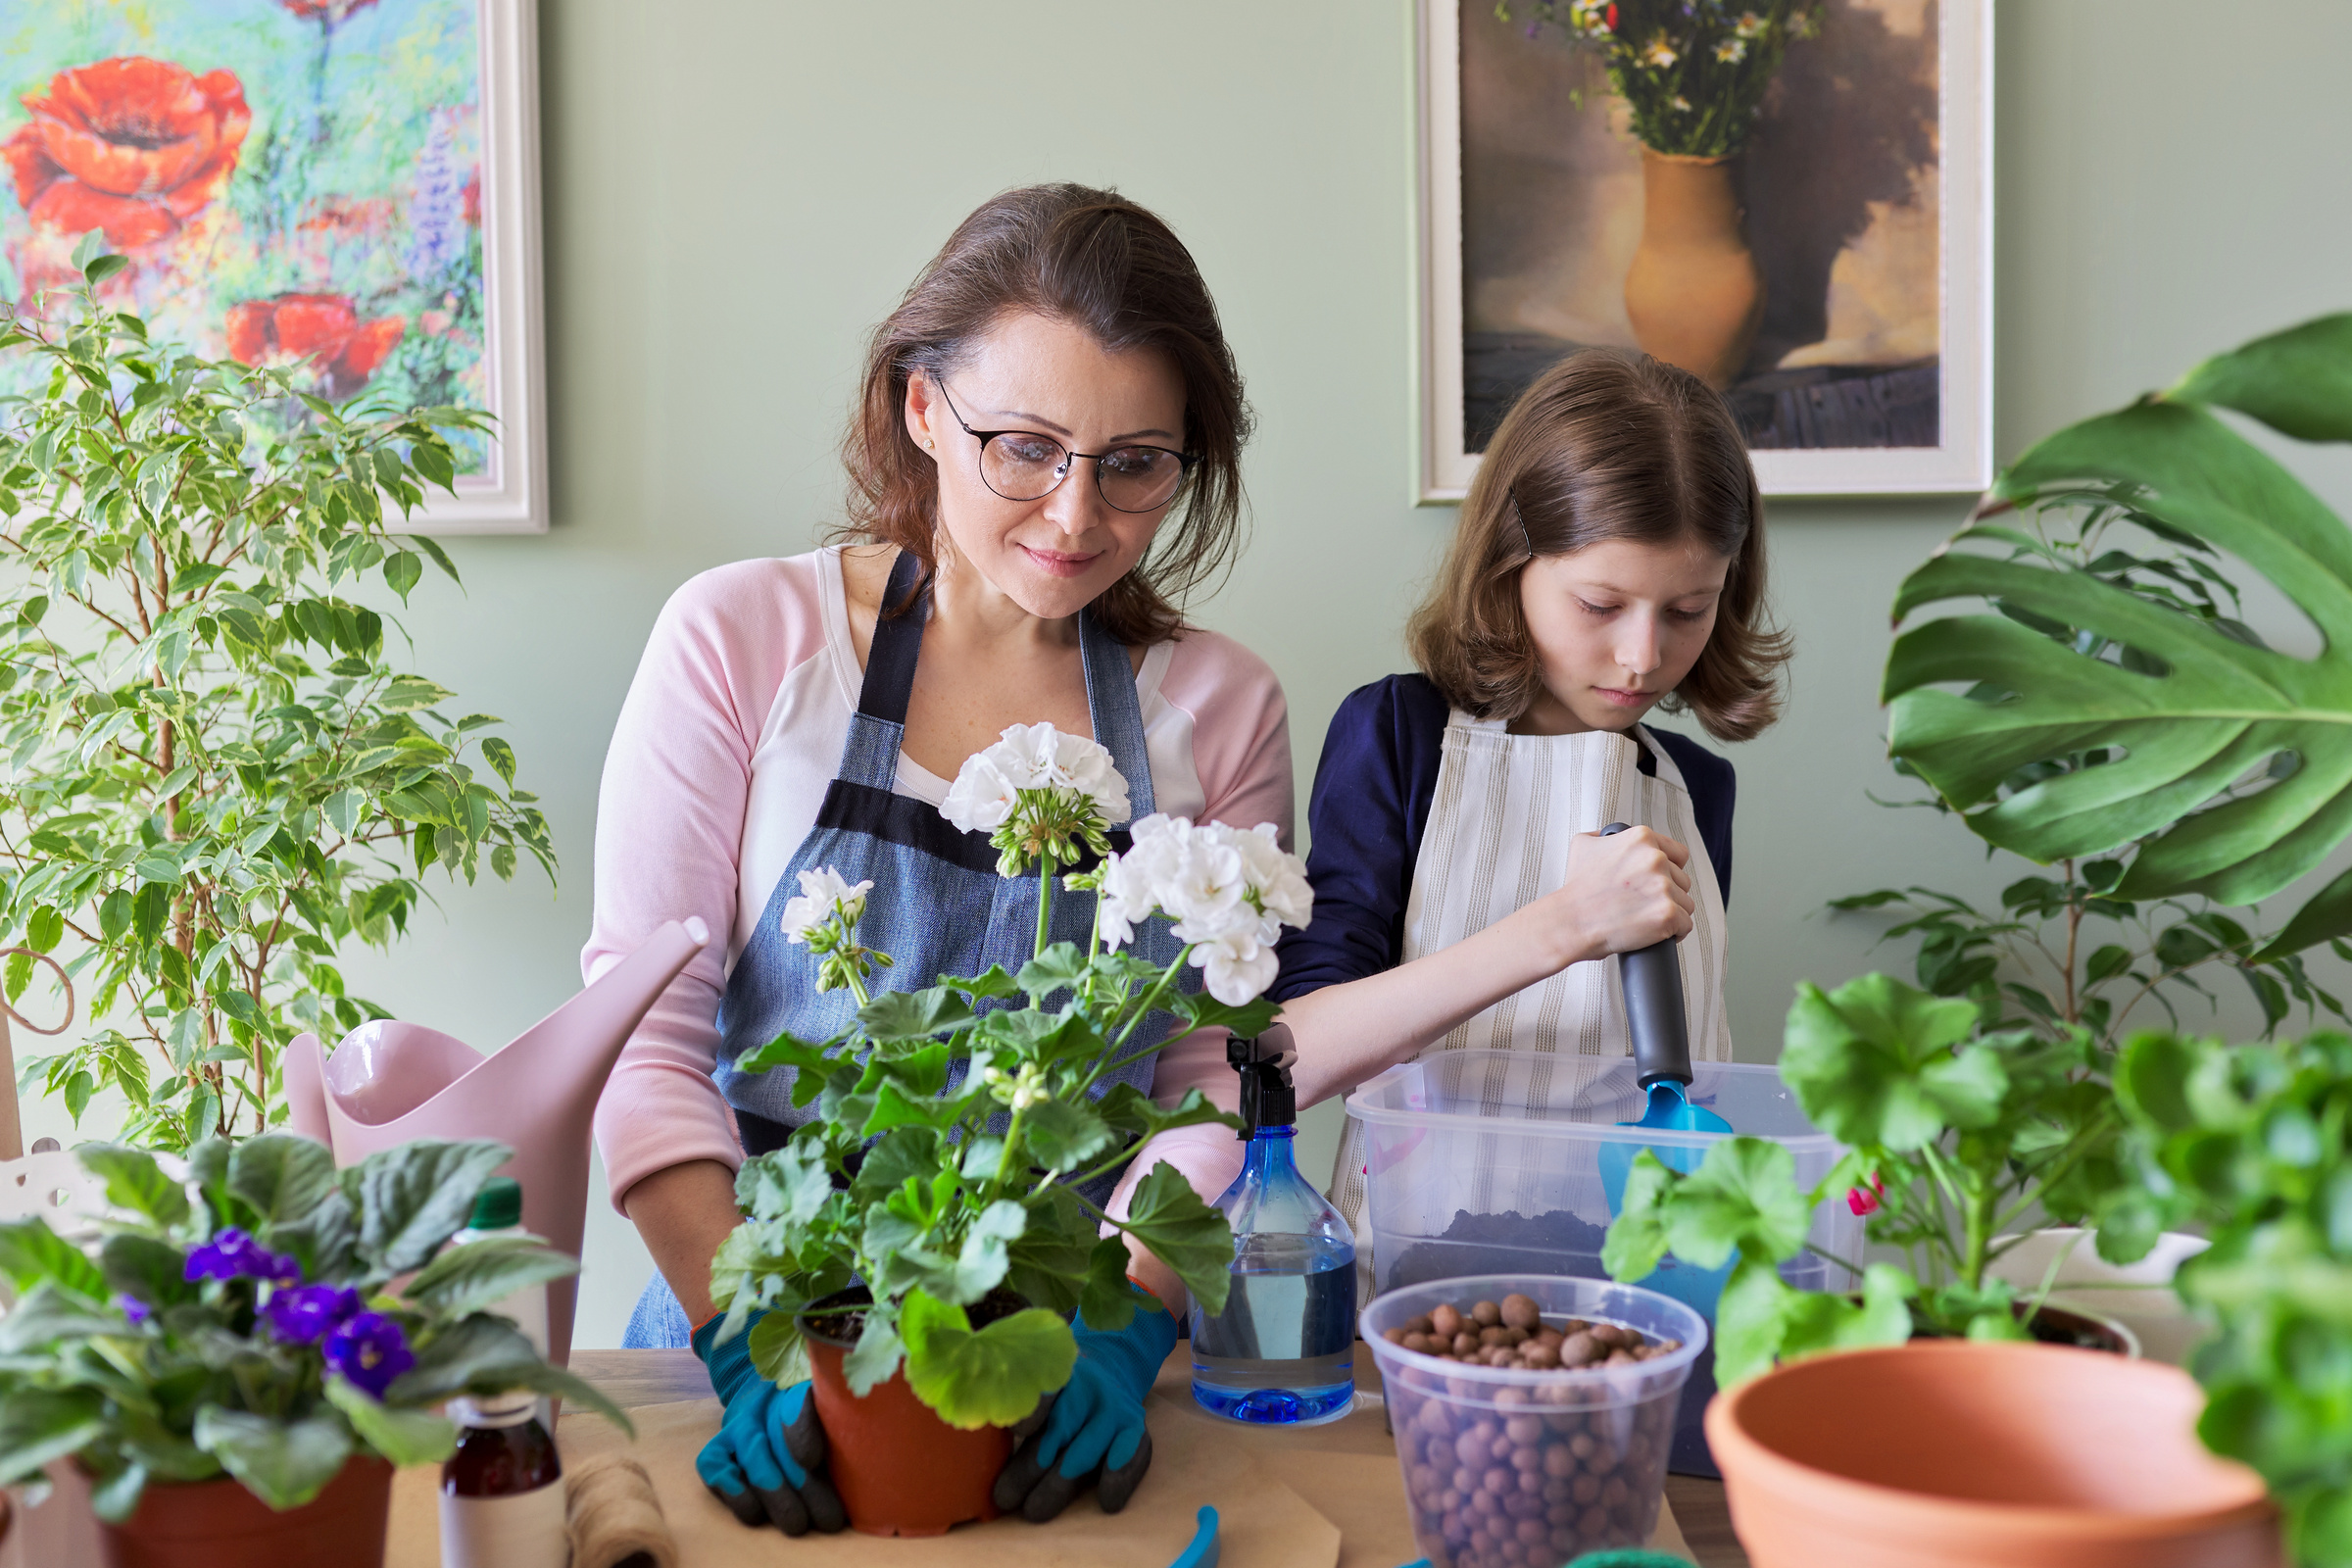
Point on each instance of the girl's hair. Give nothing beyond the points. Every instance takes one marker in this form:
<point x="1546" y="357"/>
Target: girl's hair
<point x="1098" y="262"/>
<point x="1605" y="446"/>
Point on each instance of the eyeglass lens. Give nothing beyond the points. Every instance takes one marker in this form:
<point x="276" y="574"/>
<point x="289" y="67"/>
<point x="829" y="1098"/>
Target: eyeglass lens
<point x="1022" y="466"/>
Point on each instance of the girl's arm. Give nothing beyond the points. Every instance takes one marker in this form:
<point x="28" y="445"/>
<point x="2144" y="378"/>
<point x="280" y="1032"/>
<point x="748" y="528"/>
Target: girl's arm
<point x="1623" y="891"/>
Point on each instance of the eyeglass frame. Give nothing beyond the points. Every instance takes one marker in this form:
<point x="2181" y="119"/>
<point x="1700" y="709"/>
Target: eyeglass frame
<point x="1069" y="456"/>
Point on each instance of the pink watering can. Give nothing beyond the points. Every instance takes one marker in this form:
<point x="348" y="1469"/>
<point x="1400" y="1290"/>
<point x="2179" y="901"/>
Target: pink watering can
<point x="388" y="1082"/>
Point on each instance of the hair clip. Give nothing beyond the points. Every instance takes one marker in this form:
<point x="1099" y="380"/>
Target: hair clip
<point x="1525" y="537"/>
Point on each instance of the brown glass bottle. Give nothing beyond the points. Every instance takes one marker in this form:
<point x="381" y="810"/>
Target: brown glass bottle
<point x="502" y="1492"/>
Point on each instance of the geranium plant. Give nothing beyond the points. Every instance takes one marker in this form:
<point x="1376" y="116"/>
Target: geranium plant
<point x="241" y="1319"/>
<point x="1953" y="1136"/>
<point x="2252" y="1146"/>
<point x="961" y="1210"/>
<point x="217" y="774"/>
<point x="1693" y="74"/>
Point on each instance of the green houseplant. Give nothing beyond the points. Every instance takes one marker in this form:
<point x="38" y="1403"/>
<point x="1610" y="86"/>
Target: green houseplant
<point x="237" y="1325"/>
<point x="217" y="774"/>
<point x="961" y="1212"/>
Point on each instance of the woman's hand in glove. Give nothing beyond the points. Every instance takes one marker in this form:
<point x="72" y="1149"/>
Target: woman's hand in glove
<point x="1093" y="1429"/>
<point x="766" y="1463"/>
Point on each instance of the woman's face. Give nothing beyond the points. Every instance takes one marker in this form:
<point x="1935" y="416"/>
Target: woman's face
<point x="1616" y="626"/>
<point x="1055" y="554"/>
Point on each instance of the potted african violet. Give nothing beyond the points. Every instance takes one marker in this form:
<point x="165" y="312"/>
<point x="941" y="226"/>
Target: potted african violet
<point x="961" y="1125"/>
<point x="228" y="1362"/>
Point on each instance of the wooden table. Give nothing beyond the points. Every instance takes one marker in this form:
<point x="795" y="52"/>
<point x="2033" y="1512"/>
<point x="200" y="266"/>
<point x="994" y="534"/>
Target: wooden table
<point x="640" y="1378"/>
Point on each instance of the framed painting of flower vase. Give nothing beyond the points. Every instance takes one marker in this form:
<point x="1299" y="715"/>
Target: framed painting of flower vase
<point x="1790" y="198"/>
<point x="349" y="188"/>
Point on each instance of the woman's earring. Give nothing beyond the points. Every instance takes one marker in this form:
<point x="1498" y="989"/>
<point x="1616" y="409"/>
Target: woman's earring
<point x="927" y="446"/>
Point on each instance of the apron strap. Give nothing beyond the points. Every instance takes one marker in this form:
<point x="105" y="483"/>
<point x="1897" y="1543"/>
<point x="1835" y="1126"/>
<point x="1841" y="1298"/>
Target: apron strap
<point x="1118" y="717"/>
<point x="898" y="643"/>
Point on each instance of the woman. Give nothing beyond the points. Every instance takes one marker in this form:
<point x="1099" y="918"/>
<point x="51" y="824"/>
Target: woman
<point x="1609" y="560"/>
<point x="1043" y="461"/>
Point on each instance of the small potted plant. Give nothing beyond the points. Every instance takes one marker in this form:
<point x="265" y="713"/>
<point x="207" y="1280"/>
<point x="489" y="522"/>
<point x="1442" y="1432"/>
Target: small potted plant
<point x="958" y="1210"/>
<point x="1952" y="1136"/>
<point x="227" y="1358"/>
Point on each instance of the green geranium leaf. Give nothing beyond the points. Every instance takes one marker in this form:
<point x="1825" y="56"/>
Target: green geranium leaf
<point x="1193" y="1239"/>
<point x="1063" y="1135"/>
<point x="992" y="982"/>
<point x="1135" y="1114"/>
<point x="1751" y="1319"/>
<point x="778" y="1350"/>
<point x="789" y="1184"/>
<point x="787" y="1051"/>
<point x="896" y="1154"/>
<point x="991" y="1376"/>
<point x="404" y="1437"/>
<point x="1108" y="1303"/>
<point x="39" y="1425"/>
<point x="285" y="1463"/>
<point x="1059" y="967"/>
<point x="914" y="1014"/>
<point x="1743" y="1197"/>
<point x="874" y="1359"/>
<point x="1636" y="1244"/>
<point x="1200" y="1010"/>
<point x="134" y="1181"/>
<point x="469" y="1278"/>
<point x="31" y="1252"/>
<point x="892" y="1109"/>
<point x="1872" y="1065"/>
<point x="1814" y="1322"/>
<point x="418" y="1196"/>
<point x="1048" y="1265"/>
<point x="979" y="1263"/>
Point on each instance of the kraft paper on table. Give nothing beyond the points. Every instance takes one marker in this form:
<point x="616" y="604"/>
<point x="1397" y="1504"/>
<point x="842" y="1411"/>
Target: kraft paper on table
<point x="1277" y="1495"/>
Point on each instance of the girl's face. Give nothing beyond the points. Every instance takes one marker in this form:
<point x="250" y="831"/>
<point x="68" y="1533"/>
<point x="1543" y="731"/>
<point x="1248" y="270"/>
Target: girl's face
<point x="1616" y="626"/>
<point x="1055" y="554"/>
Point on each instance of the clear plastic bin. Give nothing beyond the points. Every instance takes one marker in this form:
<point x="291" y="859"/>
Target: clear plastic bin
<point x="1505" y="1468"/>
<point x="1490" y="1163"/>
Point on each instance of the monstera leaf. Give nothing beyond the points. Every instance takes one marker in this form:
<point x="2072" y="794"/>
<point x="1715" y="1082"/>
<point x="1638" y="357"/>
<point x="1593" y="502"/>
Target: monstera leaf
<point x="2227" y="763"/>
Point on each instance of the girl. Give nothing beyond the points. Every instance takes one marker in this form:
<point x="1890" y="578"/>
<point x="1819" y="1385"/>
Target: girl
<point x="1609" y="560"/>
<point x="1043" y="459"/>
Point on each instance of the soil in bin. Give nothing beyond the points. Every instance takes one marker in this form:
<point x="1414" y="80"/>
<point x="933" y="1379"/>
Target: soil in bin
<point x="1508" y="1244"/>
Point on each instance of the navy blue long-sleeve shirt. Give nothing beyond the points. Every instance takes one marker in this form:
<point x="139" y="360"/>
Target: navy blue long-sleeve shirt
<point x="1373" y="788"/>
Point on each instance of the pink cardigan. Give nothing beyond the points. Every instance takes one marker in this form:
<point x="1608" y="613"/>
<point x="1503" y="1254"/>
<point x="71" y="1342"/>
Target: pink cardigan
<point x="670" y="830"/>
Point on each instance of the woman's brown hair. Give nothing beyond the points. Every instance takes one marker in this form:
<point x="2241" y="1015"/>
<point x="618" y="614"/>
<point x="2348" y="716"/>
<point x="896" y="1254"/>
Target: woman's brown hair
<point x="1096" y="260"/>
<point x="1605" y="446"/>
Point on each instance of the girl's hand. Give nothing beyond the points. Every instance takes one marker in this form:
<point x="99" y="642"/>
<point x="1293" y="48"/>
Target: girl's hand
<point x="1624" y="892"/>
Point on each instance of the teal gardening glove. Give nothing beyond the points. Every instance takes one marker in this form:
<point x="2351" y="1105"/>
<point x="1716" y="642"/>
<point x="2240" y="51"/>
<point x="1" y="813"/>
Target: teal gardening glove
<point x="767" y="1462"/>
<point x="1095" y="1426"/>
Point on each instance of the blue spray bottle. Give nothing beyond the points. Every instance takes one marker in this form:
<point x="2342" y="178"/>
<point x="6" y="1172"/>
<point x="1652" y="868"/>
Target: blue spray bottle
<point x="1282" y="1352"/>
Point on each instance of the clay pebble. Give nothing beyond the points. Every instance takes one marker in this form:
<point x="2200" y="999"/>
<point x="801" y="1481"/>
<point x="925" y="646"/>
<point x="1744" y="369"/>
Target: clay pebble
<point x="1512" y="1333"/>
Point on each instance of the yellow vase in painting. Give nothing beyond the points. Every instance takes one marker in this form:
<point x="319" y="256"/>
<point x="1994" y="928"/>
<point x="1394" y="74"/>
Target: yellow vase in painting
<point x="1694" y="292"/>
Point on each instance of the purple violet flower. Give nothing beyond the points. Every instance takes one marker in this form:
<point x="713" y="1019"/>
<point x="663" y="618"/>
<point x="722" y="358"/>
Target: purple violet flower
<point x="131" y="1308"/>
<point x="233" y="1255"/>
<point x="369" y="1350"/>
<point x="301" y="1316"/>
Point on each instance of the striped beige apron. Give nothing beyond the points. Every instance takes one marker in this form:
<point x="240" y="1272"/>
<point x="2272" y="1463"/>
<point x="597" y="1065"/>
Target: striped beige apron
<point x="1497" y="838"/>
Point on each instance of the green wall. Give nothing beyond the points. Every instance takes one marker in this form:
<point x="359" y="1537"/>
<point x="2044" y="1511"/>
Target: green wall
<point x="737" y="189"/>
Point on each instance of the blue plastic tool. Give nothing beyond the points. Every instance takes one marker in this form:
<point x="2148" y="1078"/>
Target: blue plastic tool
<point x="1204" y="1550"/>
<point x="1661" y="1037"/>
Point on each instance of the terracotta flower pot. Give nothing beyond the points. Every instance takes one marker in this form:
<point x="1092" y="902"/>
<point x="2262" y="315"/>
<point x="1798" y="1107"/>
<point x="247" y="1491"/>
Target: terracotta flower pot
<point x="1947" y="1454"/>
<point x="900" y="1469"/>
<point x="1694" y="292"/>
<point x="218" y="1524"/>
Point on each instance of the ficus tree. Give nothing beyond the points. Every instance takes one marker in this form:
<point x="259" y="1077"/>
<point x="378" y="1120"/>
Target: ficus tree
<point x="216" y="772"/>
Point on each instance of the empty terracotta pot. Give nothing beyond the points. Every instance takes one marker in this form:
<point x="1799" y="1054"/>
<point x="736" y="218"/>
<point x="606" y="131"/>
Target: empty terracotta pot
<point x="900" y="1469"/>
<point x="1947" y="1453"/>
<point x="218" y="1524"/>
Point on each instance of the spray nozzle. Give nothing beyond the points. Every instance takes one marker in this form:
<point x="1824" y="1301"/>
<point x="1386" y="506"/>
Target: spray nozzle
<point x="1264" y="1063"/>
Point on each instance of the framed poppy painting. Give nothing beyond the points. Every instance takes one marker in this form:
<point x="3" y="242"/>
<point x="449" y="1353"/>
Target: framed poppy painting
<point x="1790" y="198"/>
<point x="349" y="188"/>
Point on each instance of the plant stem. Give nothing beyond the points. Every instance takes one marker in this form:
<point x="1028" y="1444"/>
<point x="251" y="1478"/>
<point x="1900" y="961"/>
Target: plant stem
<point x="1045" y="900"/>
<point x="2074" y="924"/>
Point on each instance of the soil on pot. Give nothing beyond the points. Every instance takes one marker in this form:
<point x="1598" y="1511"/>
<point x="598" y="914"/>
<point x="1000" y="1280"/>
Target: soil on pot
<point x="2053" y="1324"/>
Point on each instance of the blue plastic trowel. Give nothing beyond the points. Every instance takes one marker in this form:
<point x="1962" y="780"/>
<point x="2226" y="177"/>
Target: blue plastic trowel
<point x="1661" y="1039"/>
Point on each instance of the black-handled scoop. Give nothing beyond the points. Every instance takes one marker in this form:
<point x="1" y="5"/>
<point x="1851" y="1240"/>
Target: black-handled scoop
<point x="1654" y="1014"/>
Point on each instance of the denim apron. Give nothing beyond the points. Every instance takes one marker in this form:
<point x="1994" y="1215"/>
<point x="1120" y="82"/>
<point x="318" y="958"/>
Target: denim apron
<point x="938" y="905"/>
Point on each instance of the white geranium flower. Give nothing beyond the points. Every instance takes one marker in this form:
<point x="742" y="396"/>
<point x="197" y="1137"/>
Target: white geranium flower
<point x="1277" y="880"/>
<point x="1037" y="757"/>
<point x="824" y="892"/>
<point x="1239" y="963"/>
<point x="982" y="798"/>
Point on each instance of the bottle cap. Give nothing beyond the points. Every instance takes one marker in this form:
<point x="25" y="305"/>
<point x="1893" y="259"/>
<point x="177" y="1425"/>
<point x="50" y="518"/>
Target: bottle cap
<point x="509" y="1410"/>
<point x="1264" y="1063"/>
<point x="498" y="1205"/>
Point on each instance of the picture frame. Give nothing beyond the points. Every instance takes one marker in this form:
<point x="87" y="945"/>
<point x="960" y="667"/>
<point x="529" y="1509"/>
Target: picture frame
<point x="1465" y="378"/>
<point x="348" y="188"/>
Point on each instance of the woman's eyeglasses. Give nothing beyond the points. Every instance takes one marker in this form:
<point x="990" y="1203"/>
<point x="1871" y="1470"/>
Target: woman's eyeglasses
<point x="1026" y="466"/>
